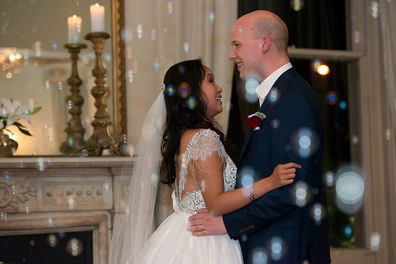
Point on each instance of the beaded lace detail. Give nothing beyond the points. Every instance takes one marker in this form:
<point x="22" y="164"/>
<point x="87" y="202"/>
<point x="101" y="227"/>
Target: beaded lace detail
<point x="203" y="144"/>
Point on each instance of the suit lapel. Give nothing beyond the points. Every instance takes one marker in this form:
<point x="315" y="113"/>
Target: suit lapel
<point x="267" y="105"/>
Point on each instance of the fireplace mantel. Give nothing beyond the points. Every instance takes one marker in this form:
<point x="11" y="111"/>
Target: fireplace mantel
<point x="58" y="194"/>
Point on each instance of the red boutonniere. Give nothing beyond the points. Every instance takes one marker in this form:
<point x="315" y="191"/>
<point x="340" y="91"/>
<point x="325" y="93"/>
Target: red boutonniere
<point x="254" y="120"/>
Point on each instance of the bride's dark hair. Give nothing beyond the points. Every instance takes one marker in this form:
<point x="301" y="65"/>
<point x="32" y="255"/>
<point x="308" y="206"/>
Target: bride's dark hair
<point x="185" y="109"/>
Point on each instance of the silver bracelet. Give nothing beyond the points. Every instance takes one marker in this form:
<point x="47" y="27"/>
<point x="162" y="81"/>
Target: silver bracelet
<point x="249" y="192"/>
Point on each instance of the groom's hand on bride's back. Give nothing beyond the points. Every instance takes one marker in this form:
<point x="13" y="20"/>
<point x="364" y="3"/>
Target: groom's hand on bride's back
<point x="204" y="224"/>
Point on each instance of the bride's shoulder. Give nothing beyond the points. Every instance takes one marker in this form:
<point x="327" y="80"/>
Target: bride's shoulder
<point x="197" y="134"/>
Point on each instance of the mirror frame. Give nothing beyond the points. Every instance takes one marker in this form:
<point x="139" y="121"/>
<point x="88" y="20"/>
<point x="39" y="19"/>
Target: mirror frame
<point x="118" y="67"/>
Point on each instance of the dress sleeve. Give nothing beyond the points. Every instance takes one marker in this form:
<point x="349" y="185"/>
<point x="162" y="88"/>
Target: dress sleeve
<point x="205" y="144"/>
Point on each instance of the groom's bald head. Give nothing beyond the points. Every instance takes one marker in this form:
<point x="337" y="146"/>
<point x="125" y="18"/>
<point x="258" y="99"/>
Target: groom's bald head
<point x="265" y="23"/>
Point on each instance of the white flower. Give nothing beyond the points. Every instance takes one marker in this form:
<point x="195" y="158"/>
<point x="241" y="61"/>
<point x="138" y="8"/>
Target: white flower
<point x="12" y="111"/>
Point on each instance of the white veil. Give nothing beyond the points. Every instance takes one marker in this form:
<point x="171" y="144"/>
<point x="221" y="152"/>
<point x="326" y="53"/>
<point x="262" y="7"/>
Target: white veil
<point x="133" y="223"/>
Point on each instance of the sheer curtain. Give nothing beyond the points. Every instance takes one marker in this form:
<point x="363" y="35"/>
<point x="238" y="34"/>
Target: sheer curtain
<point x="387" y="21"/>
<point x="388" y="32"/>
<point x="161" y="33"/>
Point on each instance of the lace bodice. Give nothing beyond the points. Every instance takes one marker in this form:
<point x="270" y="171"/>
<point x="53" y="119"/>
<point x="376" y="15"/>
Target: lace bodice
<point x="204" y="143"/>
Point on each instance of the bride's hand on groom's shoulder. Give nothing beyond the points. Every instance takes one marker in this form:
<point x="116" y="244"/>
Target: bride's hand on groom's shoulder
<point x="284" y="174"/>
<point x="204" y="224"/>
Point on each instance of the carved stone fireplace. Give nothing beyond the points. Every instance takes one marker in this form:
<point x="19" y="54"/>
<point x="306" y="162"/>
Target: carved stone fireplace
<point x="58" y="195"/>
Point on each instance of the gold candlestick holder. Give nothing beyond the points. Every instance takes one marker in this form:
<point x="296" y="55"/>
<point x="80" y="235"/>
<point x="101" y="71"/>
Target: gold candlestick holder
<point x="74" y="142"/>
<point x="101" y="138"/>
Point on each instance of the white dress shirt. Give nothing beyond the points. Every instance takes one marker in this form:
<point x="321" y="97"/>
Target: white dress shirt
<point x="264" y="87"/>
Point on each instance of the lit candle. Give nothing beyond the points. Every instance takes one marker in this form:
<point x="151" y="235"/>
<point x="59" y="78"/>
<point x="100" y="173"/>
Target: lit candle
<point x="97" y="18"/>
<point x="74" y="28"/>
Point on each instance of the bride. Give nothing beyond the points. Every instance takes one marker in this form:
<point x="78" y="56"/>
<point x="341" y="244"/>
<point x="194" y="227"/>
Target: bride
<point x="180" y="137"/>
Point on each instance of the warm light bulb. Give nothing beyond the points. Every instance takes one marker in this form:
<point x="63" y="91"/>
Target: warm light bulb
<point x="323" y="69"/>
<point x="11" y="57"/>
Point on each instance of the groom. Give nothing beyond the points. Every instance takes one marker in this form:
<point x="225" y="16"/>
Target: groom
<point x="286" y="225"/>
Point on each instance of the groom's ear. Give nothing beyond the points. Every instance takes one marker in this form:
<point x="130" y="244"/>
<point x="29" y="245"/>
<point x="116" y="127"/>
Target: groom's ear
<point x="266" y="43"/>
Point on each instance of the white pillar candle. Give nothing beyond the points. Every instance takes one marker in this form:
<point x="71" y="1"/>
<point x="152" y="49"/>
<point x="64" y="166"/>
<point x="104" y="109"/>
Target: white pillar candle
<point x="97" y="18"/>
<point x="74" y="28"/>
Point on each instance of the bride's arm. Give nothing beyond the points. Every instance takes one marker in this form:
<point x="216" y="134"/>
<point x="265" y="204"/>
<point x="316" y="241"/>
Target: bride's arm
<point x="210" y="173"/>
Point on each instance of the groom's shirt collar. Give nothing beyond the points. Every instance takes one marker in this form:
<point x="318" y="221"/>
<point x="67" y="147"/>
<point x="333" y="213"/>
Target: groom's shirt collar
<point x="264" y="87"/>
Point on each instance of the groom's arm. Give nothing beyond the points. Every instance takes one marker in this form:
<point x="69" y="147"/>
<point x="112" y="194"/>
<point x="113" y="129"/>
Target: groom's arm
<point x="293" y="113"/>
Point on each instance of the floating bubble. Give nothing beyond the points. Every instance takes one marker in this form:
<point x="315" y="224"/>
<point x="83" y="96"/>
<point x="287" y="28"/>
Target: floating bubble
<point x="71" y="202"/>
<point x="203" y="185"/>
<point x="191" y="102"/>
<point x="297" y="5"/>
<point x="300" y="193"/>
<point x="348" y="231"/>
<point x="40" y="163"/>
<point x="273" y="95"/>
<point x="251" y="85"/>
<point x="251" y="98"/>
<point x="154" y="177"/>
<point x="305" y="142"/>
<point x="126" y="35"/>
<point x="275" y="123"/>
<point x="375" y="241"/>
<point x="84" y="153"/>
<point x="32" y="243"/>
<point x="3" y="216"/>
<point x="317" y="213"/>
<point x="277" y="248"/>
<point x="130" y="76"/>
<point x="356" y="37"/>
<point x="50" y="222"/>
<point x="139" y="31"/>
<point x="343" y="105"/>
<point x="374" y="9"/>
<point x="181" y="69"/>
<point x="259" y="256"/>
<point x="52" y="240"/>
<point x="332" y="97"/>
<point x="183" y="90"/>
<point x="170" y="8"/>
<point x="6" y="175"/>
<point x="349" y="189"/>
<point x="211" y="17"/>
<point x="329" y="179"/>
<point x="247" y="176"/>
<point x="244" y="237"/>
<point x="74" y="247"/>
<point x="186" y="47"/>
<point x="157" y="65"/>
<point x="62" y="235"/>
<point x="170" y="90"/>
<point x="355" y="139"/>
<point x="153" y="34"/>
<point x="388" y="134"/>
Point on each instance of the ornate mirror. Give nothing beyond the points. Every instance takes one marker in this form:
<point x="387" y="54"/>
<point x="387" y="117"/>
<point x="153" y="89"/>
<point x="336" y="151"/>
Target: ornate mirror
<point x="35" y="67"/>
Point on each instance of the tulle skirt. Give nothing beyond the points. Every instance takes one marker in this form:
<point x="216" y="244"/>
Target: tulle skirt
<point x="172" y="243"/>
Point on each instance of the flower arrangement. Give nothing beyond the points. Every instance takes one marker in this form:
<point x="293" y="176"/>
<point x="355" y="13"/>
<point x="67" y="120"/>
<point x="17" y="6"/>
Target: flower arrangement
<point x="12" y="111"/>
<point x="254" y="120"/>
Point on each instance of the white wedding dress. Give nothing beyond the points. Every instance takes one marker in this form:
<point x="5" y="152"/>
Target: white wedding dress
<point x="172" y="242"/>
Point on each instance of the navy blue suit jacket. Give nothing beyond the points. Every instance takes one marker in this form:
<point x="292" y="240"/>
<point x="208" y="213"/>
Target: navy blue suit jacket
<point x="276" y="215"/>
